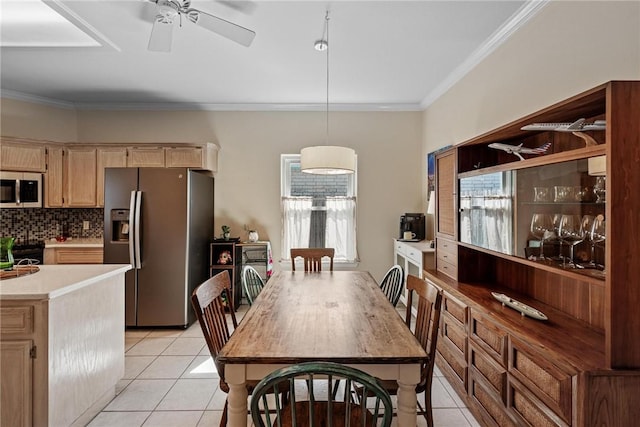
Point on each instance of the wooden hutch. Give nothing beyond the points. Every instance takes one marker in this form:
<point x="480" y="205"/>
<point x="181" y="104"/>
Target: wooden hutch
<point x="581" y="367"/>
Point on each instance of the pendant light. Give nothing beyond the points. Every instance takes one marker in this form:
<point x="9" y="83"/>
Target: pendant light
<point x="327" y="159"/>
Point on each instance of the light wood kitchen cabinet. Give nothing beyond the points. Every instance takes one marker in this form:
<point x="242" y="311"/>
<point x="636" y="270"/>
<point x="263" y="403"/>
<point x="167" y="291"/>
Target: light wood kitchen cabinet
<point x="107" y="157"/>
<point x="80" y="176"/>
<point x="73" y="255"/>
<point x="17" y="358"/>
<point x="22" y="157"/>
<point x="53" y="178"/>
<point x="202" y="157"/>
<point x="183" y="157"/>
<point x="145" y="157"/>
<point x="17" y="375"/>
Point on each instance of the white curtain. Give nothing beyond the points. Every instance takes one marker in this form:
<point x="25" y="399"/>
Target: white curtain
<point x="297" y="223"/>
<point x="487" y="222"/>
<point x="340" y="228"/>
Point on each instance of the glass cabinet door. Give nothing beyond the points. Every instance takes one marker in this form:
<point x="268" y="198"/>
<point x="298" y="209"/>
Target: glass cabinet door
<point x="560" y="215"/>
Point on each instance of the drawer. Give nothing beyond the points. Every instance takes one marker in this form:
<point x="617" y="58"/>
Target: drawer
<point x="455" y="309"/>
<point x="16" y="320"/>
<point x="531" y="410"/>
<point x="489" y="338"/>
<point x="79" y="256"/>
<point x="454" y="334"/>
<point x="550" y="383"/>
<point x="493" y="411"/>
<point x="454" y="365"/>
<point x="414" y="255"/>
<point x="400" y="247"/>
<point x="483" y="366"/>
<point x="448" y="247"/>
<point x="447" y="268"/>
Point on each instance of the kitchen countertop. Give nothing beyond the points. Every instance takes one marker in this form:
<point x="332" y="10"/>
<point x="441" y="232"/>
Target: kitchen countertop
<point x="53" y="281"/>
<point x="74" y="242"/>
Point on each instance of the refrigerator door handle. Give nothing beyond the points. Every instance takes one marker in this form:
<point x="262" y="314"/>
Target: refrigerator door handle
<point x="136" y="231"/>
<point x="132" y="209"/>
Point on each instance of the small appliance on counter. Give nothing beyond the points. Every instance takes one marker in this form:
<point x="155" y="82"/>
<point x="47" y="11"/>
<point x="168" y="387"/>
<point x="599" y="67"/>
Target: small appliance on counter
<point x="413" y="223"/>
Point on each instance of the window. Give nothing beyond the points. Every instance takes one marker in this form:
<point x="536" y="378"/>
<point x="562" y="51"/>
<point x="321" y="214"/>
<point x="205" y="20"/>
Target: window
<point x="318" y="210"/>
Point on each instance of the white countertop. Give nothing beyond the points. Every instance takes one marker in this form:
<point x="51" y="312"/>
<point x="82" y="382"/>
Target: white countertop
<point x="74" y="242"/>
<point x="55" y="280"/>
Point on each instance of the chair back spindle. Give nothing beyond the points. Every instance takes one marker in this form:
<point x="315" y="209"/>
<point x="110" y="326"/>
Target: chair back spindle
<point x="312" y="258"/>
<point x="392" y="284"/>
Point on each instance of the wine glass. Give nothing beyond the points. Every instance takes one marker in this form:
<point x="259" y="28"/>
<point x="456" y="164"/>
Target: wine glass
<point x="541" y="228"/>
<point x="587" y="226"/>
<point x="597" y="235"/>
<point x="599" y="189"/>
<point x="572" y="233"/>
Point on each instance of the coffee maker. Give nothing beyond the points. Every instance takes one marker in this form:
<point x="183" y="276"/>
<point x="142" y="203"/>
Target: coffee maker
<point x="413" y="222"/>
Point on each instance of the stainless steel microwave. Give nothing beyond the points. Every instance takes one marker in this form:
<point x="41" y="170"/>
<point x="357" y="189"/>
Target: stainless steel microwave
<point x="20" y="190"/>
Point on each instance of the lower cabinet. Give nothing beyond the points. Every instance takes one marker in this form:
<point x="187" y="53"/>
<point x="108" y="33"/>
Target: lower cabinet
<point x="73" y="255"/>
<point x="504" y="380"/>
<point x="18" y="363"/>
<point x="16" y="370"/>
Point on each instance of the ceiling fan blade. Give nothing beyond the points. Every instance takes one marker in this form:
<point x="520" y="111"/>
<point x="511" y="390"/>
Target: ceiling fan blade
<point x="227" y="29"/>
<point x="244" y="6"/>
<point x="161" y="35"/>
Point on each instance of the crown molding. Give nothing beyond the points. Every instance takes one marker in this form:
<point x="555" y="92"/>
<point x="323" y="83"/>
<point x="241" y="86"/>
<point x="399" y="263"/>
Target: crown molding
<point x="192" y="106"/>
<point x="502" y="34"/>
<point x="35" y="99"/>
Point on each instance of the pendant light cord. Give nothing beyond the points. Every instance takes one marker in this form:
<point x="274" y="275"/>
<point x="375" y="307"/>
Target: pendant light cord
<point x="327" y="39"/>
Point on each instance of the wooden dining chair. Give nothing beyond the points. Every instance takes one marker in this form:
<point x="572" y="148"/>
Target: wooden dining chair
<point x="314" y="406"/>
<point x="392" y="284"/>
<point x="426" y="331"/>
<point x="252" y="283"/>
<point x="209" y="301"/>
<point x="312" y="258"/>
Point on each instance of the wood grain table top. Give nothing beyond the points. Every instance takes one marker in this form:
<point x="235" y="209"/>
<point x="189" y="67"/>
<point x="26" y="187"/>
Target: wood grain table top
<point x="339" y="316"/>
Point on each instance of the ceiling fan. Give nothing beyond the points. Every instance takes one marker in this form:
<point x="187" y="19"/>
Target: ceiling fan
<point x="167" y="11"/>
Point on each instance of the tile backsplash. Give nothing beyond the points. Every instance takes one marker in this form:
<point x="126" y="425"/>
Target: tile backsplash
<point x="43" y="224"/>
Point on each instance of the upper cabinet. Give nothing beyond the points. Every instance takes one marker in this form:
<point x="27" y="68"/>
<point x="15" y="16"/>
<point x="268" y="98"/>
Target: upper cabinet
<point x="22" y="157"/>
<point x="146" y="157"/>
<point x="80" y="177"/>
<point x="74" y="173"/>
<point x="53" y="178"/>
<point x="108" y="157"/>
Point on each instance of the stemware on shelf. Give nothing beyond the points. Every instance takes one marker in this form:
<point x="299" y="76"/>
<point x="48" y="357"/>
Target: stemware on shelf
<point x="572" y="233"/>
<point x="599" y="189"/>
<point x="542" y="229"/>
<point x="587" y="226"/>
<point x="597" y="235"/>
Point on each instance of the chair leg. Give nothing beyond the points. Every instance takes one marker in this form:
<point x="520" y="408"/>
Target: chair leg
<point x="223" y="420"/>
<point x="427" y="410"/>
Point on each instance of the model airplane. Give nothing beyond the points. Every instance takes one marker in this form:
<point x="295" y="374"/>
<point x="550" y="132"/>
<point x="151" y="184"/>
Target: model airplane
<point x="577" y="126"/>
<point x="519" y="149"/>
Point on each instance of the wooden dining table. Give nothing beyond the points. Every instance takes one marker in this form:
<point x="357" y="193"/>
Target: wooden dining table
<point x="339" y="316"/>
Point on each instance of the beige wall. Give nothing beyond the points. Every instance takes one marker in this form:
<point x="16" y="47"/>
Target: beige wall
<point x="248" y="179"/>
<point x="29" y="120"/>
<point x="568" y="47"/>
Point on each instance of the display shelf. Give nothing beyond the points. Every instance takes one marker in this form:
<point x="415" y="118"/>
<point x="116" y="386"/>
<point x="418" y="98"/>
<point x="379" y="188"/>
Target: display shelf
<point x="547" y="376"/>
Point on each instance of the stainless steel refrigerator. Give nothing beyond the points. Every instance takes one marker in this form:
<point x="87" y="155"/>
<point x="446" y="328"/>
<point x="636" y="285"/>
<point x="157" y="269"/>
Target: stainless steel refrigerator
<point x="161" y="222"/>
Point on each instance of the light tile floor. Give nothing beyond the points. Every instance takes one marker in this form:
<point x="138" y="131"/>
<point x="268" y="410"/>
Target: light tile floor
<point x="170" y="381"/>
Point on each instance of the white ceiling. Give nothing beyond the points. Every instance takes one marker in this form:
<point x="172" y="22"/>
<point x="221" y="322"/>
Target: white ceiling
<point x="396" y="55"/>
